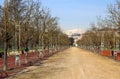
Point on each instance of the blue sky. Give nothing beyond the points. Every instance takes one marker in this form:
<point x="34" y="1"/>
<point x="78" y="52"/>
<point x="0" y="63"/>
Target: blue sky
<point x="76" y="13"/>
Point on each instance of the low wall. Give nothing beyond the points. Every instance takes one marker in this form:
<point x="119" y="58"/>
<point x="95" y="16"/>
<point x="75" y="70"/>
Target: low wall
<point x="118" y="56"/>
<point x="106" y="53"/>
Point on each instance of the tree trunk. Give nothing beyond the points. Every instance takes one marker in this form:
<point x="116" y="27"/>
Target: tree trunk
<point x="26" y="53"/>
<point x="5" y="56"/>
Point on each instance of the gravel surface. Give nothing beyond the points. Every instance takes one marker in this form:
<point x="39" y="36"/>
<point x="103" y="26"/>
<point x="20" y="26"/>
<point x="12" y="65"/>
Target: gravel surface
<point x="73" y="63"/>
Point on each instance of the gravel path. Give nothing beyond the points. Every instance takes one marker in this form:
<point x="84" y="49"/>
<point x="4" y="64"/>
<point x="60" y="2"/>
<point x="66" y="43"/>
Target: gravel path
<point x="73" y="63"/>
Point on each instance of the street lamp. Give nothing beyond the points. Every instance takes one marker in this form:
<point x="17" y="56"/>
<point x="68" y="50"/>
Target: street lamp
<point x="17" y="33"/>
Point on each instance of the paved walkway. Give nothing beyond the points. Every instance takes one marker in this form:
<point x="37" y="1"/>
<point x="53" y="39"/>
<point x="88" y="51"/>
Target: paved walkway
<point x="73" y="63"/>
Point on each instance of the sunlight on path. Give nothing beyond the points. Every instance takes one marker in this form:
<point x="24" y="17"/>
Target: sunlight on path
<point x="74" y="63"/>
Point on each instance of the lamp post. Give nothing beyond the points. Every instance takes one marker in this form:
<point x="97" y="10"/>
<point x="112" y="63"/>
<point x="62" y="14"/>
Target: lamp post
<point x="17" y="43"/>
<point x="18" y="31"/>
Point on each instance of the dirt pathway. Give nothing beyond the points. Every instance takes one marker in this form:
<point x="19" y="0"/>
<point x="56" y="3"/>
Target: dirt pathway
<point x="73" y="63"/>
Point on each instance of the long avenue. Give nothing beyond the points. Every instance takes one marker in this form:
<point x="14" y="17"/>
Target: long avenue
<point x="73" y="63"/>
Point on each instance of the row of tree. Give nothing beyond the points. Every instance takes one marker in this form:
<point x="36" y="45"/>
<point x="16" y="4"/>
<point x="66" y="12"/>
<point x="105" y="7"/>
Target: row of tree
<point x="25" y="23"/>
<point x="105" y="33"/>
